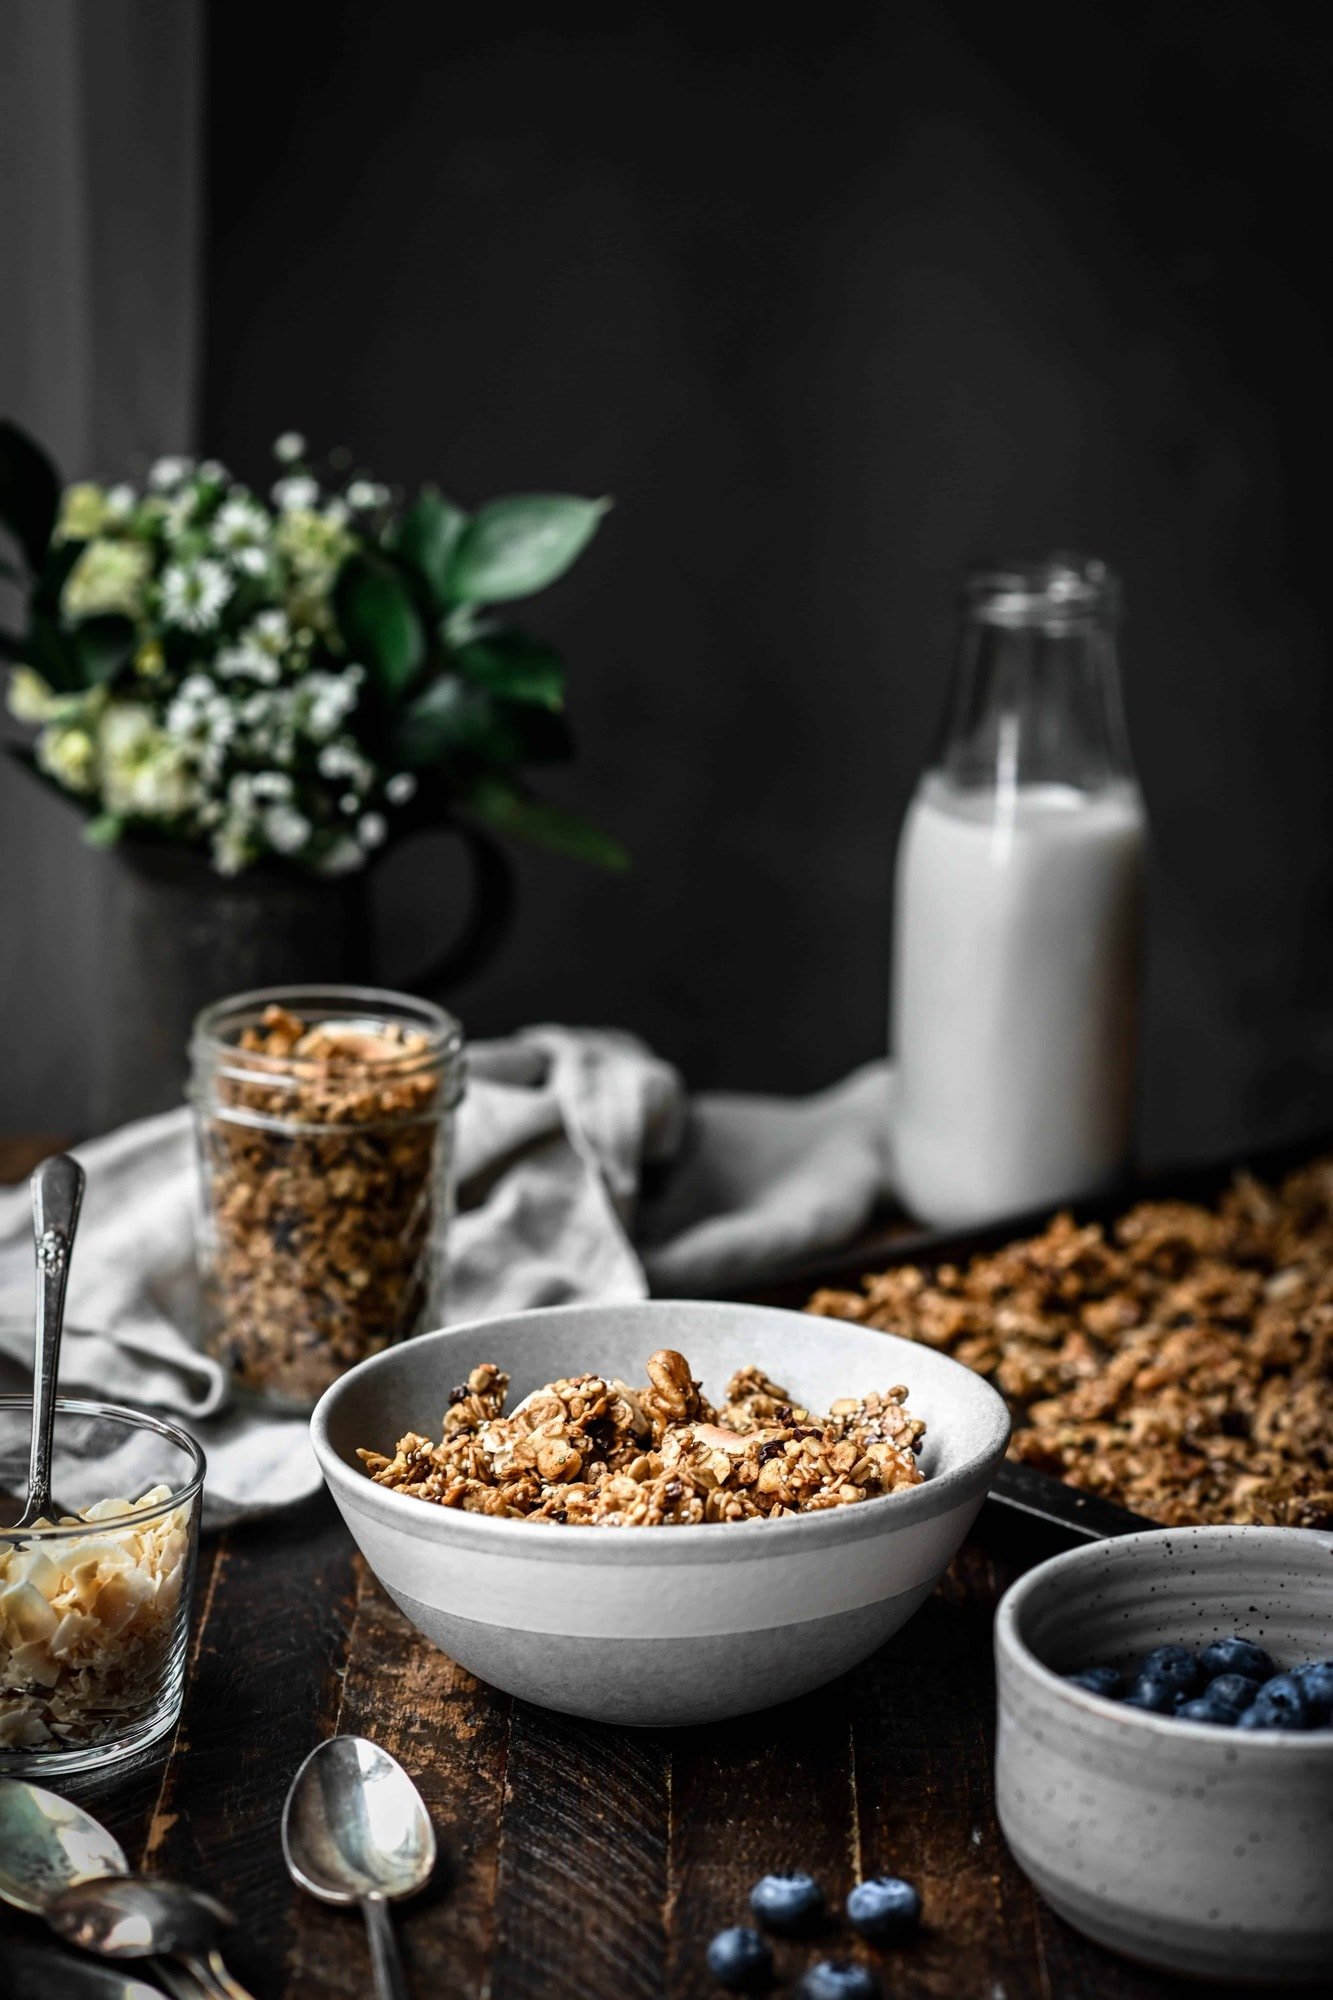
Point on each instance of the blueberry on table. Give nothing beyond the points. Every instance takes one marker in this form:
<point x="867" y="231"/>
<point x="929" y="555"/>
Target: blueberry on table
<point x="1177" y="1665"/>
<point x="1316" y="1684"/>
<point x="839" y="1979"/>
<point x="1202" y="1709"/>
<point x="1233" y="1691"/>
<point x="740" y="1959"/>
<point x="1107" y="1681"/>
<point x="1236" y="1656"/>
<point x="787" y="1904"/>
<point x="1279" y="1704"/>
<point x="884" y="1909"/>
<point x="1159" y="1697"/>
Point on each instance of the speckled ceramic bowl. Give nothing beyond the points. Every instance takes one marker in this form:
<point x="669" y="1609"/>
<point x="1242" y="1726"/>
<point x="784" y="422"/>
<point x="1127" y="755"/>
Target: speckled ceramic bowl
<point x="1200" y="1849"/>
<point x="662" y="1625"/>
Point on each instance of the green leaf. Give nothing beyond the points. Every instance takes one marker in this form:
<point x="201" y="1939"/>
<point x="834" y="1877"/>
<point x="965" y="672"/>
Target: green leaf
<point x="514" y="547"/>
<point x="449" y="719"/>
<point x="29" y="492"/>
<point x="514" y="812"/>
<point x="426" y="538"/>
<point x="379" y="622"/>
<point x="104" y="646"/>
<point x="517" y="666"/>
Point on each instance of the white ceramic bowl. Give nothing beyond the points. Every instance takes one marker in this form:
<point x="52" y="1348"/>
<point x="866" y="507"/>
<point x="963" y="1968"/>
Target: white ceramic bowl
<point x="1201" y="1849"/>
<point x="661" y="1625"/>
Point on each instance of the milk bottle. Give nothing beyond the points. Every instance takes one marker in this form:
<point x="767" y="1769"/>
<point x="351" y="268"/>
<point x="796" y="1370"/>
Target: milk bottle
<point x="1019" y="910"/>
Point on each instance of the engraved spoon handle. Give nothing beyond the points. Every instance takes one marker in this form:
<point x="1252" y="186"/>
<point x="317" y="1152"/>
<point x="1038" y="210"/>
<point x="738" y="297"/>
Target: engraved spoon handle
<point x="57" y="1191"/>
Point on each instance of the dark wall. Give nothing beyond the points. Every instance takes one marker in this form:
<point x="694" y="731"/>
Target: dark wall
<point x="829" y="315"/>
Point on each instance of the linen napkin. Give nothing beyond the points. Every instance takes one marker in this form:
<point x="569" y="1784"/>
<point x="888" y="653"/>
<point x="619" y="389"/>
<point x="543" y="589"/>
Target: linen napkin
<point x="584" y="1171"/>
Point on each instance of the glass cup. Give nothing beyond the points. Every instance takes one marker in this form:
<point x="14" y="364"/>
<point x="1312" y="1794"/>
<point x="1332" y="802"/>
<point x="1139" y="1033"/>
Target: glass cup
<point x="325" y="1118"/>
<point x="95" y="1602"/>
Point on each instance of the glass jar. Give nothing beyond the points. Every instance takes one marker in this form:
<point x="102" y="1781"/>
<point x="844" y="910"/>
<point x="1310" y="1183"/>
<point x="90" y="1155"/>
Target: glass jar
<point x="324" y="1117"/>
<point x="95" y="1602"/>
<point x="1017" y="935"/>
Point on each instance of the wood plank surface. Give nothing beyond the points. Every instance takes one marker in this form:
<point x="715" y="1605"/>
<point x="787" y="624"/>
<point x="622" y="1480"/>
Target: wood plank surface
<point x="582" y="1863"/>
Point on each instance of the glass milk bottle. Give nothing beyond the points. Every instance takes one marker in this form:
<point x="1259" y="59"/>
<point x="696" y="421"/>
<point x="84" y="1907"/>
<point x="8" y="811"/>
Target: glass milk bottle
<point x="1019" y="910"/>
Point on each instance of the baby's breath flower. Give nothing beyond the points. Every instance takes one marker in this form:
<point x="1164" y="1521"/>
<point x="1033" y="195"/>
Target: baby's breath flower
<point x="341" y="857"/>
<point x="288" y="448"/>
<point x="295" y="494"/>
<point x="213" y="472"/>
<point x="363" y="494"/>
<point x="401" y="787"/>
<point x="349" y="803"/>
<point x="169" y="473"/>
<point x="120" y="501"/>
<point x="270" y="785"/>
<point x="194" y="594"/>
<point x="285" y="829"/>
<point x="371" y="830"/>
<point x="270" y="630"/>
<point x="240" y="523"/>
<point x="252" y="562"/>
<point x="247" y="662"/>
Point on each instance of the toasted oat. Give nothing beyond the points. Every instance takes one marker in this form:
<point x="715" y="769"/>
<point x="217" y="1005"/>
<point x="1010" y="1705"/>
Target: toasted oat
<point x="584" y="1450"/>
<point x="1180" y="1363"/>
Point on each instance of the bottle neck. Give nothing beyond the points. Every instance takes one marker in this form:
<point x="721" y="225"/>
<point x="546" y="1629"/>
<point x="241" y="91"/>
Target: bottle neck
<point x="1035" y="698"/>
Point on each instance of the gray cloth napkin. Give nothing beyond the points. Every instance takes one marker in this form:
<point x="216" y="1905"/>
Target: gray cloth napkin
<point x="584" y="1172"/>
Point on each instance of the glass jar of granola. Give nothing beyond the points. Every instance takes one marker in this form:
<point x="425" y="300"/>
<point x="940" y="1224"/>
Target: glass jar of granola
<point x="324" y="1117"/>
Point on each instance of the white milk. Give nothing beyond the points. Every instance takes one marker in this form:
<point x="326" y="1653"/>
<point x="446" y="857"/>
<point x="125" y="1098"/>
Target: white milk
<point x="1015" y="995"/>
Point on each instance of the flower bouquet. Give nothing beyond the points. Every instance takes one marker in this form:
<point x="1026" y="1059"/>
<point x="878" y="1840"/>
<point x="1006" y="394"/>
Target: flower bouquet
<point x="287" y="681"/>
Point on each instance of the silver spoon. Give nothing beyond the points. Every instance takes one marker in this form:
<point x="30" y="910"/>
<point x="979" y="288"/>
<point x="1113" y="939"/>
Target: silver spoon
<point x="48" y="1846"/>
<point x="355" y="1830"/>
<point x="57" y="1192"/>
<point x="36" y="1969"/>
<point x="146" y="1916"/>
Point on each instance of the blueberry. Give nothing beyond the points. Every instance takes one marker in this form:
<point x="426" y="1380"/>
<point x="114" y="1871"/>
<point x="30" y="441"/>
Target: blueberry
<point x="787" y="1903"/>
<point x="1233" y="1691"/>
<point x="1157" y="1696"/>
<point x="884" y="1909"/>
<point x="1176" y="1665"/>
<point x="1316" y="1684"/>
<point x="1202" y="1709"/>
<point x="1236" y="1656"/>
<point x="740" y="1959"/>
<point x="839" y="1979"/>
<point x="1107" y="1681"/>
<point x="1280" y="1704"/>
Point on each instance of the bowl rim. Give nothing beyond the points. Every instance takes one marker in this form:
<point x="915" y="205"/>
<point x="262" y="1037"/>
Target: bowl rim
<point x="181" y="1495"/>
<point x="1013" y="1651"/>
<point x="617" y="1546"/>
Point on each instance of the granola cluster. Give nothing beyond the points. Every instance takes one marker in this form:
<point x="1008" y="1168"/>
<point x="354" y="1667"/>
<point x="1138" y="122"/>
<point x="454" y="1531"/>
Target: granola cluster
<point x="319" y="1158"/>
<point x="1180" y="1363"/>
<point x="585" y="1450"/>
<point x="89" y="1624"/>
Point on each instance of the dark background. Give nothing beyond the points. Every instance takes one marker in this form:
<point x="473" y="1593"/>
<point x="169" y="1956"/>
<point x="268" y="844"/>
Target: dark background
<point x="830" y="313"/>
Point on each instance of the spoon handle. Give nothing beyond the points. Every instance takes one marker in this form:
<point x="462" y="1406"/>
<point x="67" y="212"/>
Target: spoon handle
<point x="57" y="1192"/>
<point x="390" y="1982"/>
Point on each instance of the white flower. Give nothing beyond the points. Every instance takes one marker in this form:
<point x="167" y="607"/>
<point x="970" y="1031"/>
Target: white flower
<point x="213" y="471"/>
<point x="69" y="755"/>
<point x="169" y="473"/>
<point x="372" y="830"/>
<point x="120" y="501"/>
<point x="253" y="562"/>
<point x="285" y="829"/>
<point x="400" y="788"/>
<point x="247" y="662"/>
<point x="364" y="493"/>
<point x="296" y="494"/>
<point x="349" y="803"/>
<point x="270" y="785"/>
<point x="289" y="447"/>
<point x="30" y="697"/>
<point x="239" y="524"/>
<point x="344" y="760"/>
<point x="271" y="630"/>
<point x="144" y="773"/>
<point x="341" y="858"/>
<point x="194" y="593"/>
<point x="336" y="513"/>
<point x="109" y="576"/>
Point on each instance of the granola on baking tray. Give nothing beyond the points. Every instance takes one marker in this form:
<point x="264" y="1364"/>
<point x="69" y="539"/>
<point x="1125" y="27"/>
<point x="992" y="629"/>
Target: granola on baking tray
<point x="589" y="1451"/>
<point x="319" y="1152"/>
<point x="1180" y="1362"/>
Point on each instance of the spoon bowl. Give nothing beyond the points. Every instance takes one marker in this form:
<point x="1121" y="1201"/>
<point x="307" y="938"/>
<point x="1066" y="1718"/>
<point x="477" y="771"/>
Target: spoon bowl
<point x="138" y="1916"/>
<point x="47" y="1845"/>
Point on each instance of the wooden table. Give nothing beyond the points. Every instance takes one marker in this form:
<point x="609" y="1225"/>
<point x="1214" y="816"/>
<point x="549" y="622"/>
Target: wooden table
<point x="577" y="1862"/>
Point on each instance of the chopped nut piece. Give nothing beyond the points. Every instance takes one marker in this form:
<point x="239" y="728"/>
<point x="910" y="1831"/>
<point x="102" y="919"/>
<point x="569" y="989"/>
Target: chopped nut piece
<point x="573" y="1452"/>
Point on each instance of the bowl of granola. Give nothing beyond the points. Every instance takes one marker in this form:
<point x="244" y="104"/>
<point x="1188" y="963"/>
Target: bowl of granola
<point x="659" y="1512"/>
